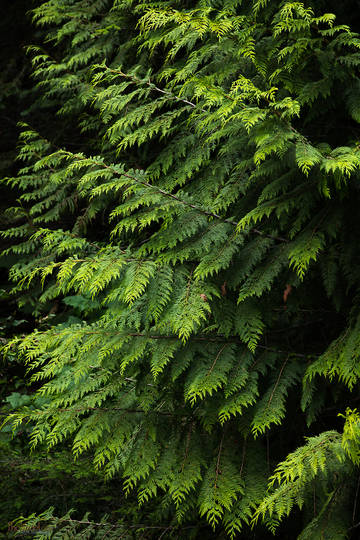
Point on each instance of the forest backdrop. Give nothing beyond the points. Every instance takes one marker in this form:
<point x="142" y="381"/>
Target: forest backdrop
<point x="179" y="296"/>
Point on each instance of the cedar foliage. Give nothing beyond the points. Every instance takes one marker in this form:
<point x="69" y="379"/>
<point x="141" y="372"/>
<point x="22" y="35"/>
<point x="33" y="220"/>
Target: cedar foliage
<point x="200" y="235"/>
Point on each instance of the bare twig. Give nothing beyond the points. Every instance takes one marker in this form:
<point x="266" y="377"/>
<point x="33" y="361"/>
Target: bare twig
<point x="217" y="470"/>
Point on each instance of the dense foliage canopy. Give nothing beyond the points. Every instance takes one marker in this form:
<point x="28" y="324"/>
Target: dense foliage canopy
<point x="182" y="244"/>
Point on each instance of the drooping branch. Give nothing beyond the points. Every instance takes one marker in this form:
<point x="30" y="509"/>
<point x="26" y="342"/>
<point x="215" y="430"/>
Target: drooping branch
<point x="172" y="196"/>
<point x="211" y="338"/>
<point x="153" y="86"/>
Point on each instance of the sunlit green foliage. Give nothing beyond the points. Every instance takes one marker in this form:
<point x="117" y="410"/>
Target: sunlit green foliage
<point x="200" y="236"/>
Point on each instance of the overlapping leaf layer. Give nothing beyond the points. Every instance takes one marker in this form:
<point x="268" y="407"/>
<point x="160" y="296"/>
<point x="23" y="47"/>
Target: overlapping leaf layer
<point x="200" y="235"/>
